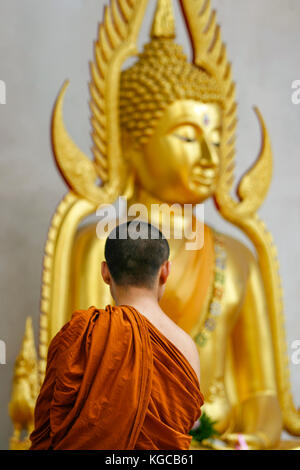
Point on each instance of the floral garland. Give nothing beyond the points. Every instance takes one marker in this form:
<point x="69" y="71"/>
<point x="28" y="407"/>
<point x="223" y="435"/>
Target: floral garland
<point x="215" y="308"/>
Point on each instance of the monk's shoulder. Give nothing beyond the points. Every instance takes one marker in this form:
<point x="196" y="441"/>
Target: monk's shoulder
<point x="191" y="352"/>
<point x="184" y="342"/>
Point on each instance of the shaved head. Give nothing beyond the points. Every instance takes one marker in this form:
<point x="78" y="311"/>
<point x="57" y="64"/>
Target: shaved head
<point x="134" y="252"/>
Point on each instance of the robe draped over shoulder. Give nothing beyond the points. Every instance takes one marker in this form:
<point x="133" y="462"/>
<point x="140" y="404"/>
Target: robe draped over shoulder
<point x="114" y="382"/>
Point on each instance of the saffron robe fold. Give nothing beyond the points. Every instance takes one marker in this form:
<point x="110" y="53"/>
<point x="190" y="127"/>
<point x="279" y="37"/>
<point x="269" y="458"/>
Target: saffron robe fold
<point x="115" y="382"/>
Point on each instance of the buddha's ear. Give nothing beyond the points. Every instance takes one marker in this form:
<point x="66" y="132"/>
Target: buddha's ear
<point x="126" y="143"/>
<point x="132" y="153"/>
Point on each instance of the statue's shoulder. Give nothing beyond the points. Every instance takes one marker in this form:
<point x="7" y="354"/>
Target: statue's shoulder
<point x="239" y="257"/>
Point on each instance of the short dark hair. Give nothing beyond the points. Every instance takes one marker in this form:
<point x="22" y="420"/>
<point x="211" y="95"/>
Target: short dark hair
<point x="134" y="252"/>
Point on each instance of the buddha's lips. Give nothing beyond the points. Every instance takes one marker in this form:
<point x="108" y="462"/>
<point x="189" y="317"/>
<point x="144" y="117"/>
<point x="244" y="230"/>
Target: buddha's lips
<point x="201" y="177"/>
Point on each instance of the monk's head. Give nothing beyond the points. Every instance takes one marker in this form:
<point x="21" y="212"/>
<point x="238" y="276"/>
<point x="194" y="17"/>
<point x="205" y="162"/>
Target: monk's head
<point x="137" y="257"/>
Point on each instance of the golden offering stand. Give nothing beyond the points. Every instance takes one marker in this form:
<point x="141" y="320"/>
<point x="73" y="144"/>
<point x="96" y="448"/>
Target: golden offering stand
<point x="164" y="133"/>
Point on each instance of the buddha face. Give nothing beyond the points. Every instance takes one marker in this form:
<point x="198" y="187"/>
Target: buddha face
<point x="181" y="161"/>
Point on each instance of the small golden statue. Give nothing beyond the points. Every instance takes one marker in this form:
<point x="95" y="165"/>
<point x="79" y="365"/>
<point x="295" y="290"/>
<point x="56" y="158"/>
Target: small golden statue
<point x="164" y="133"/>
<point x="25" y="390"/>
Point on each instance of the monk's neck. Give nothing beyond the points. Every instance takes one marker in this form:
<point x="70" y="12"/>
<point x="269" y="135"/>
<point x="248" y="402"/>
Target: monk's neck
<point x="141" y="299"/>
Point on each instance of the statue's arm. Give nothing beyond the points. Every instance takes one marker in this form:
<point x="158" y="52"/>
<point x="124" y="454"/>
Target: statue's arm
<point x="258" y="413"/>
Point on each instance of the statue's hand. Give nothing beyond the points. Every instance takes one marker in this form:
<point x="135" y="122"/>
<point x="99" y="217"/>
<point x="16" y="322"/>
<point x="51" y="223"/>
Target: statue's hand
<point x="255" y="441"/>
<point x="264" y="412"/>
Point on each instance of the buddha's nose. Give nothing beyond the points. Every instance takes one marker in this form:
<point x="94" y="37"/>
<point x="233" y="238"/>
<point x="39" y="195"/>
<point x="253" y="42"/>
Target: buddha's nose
<point x="209" y="157"/>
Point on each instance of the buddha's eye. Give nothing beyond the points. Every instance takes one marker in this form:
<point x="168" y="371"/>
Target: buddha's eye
<point x="185" y="139"/>
<point x="215" y="138"/>
<point x="186" y="133"/>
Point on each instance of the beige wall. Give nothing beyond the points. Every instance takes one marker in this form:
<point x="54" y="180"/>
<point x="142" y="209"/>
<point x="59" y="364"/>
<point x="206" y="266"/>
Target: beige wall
<point x="44" y="42"/>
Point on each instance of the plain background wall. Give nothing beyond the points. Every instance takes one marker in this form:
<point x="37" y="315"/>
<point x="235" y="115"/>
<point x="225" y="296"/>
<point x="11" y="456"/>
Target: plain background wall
<point x="42" y="44"/>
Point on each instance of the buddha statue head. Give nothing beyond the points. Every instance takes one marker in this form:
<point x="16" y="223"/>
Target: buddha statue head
<point x="165" y="124"/>
<point x="171" y="120"/>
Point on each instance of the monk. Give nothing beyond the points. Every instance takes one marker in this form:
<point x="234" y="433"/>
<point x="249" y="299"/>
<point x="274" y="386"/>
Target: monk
<point x="125" y="377"/>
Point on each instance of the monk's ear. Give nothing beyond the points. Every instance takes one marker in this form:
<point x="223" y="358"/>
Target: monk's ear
<point x="105" y="273"/>
<point x="165" y="271"/>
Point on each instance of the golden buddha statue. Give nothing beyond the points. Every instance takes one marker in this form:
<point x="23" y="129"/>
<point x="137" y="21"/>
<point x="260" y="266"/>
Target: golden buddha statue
<point x="164" y="134"/>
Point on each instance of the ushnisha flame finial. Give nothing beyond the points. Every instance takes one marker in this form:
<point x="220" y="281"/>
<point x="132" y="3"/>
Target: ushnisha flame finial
<point x="164" y="22"/>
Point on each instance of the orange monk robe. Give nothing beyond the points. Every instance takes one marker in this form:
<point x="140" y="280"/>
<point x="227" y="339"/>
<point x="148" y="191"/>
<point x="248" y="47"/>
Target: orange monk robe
<point x="114" y="382"/>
